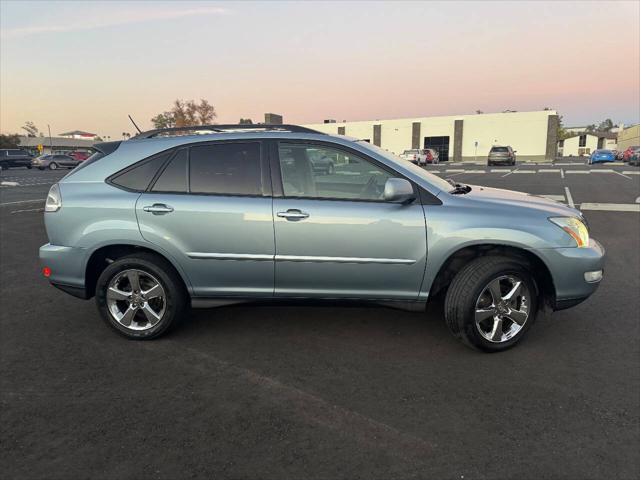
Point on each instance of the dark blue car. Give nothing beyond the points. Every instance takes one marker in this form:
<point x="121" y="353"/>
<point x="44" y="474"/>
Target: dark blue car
<point x="601" y="156"/>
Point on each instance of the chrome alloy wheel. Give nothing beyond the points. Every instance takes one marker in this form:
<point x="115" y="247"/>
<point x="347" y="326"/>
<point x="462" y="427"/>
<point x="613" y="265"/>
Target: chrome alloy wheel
<point x="136" y="300"/>
<point x="502" y="308"/>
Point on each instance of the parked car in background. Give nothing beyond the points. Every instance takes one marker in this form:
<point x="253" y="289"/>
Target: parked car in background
<point x="501" y="155"/>
<point x="159" y="223"/>
<point x="53" y="162"/>
<point x="322" y="163"/>
<point x="415" y="155"/>
<point x="634" y="158"/>
<point x="628" y="153"/>
<point x="14" y="157"/>
<point x="432" y="156"/>
<point x="78" y="155"/>
<point x="601" y="156"/>
<point x="620" y="155"/>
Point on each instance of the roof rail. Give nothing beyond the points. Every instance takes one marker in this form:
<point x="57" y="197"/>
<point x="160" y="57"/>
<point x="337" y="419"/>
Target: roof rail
<point x="225" y="128"/>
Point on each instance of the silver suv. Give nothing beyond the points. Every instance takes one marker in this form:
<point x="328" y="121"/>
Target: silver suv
<point x="211" y="216"/>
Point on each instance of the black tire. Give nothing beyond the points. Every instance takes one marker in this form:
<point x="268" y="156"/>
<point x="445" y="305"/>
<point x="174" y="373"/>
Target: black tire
<point x="466" y="288"/>
<point x="40" y="168"/>
<point x="53" y="166"/>
<point x="176" y="296"/>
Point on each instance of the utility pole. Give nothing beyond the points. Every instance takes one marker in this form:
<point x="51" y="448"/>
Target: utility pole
<point x="50" y="139"/>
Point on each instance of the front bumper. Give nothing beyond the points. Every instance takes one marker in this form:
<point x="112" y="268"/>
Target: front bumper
<point x="568" y="267"/>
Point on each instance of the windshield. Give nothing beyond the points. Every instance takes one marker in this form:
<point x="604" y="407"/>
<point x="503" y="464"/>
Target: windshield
<point x="499" y="149"/>
<point x="429" y="177"/>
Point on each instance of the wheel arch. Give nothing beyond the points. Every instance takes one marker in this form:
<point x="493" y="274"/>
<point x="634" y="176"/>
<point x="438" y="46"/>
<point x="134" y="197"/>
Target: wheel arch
<point x="457" y="259"/>
<point x="102" y="256"/>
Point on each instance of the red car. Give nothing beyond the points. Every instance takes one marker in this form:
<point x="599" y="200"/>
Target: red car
<point x="81" y="156"/>
<point x="628" y="153"/>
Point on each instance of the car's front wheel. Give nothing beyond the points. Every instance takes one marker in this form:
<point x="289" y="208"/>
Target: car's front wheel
<point x="491" y="303"/>
<point x="53" y="166"/>
<point x="141" y="296"/>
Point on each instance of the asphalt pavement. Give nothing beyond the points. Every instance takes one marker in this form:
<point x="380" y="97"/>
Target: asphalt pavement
<point x="271" y="392"/>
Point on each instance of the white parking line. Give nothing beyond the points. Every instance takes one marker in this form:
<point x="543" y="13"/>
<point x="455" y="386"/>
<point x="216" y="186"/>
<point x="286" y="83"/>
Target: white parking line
<point x="455" y="170"/>
<point x="9" y="184"/>
<point x="604" y="170"/>
<point x="41" y="209"/>
<point x="631" y="172"/>
<point x="561" y="173"/>
<point x="558" y="198"/>
<point x="611" y="207"/>
<point x="569" y="197"/>
<point x="549" y="170"/>
<point x="509" y="173"/>
<point x="21" y="201"/>
<point x="524" y="171"/>
<point x="577" y="171"/>
<point x="623" y="175"/>
<point x="476" y="171"/>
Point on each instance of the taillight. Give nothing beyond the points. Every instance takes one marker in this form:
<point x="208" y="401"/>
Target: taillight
<point x="46" y="271"/>
<point x="54" y="199"/>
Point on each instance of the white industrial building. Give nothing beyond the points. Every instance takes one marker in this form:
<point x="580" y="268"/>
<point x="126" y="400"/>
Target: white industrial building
<point x="460" y="137"/>
<point x="585" y="143"/>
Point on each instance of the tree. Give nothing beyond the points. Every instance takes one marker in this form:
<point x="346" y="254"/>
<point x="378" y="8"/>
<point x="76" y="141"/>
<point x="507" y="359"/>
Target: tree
<point x="186" y="113"/>
<point x="30" y="128"/>
<point x="562" y="133"/>
<point x="163" y="120"/>
<point x="245" y="121"/>
<point x="606" y="125"/>
<point x="9" y="140"/>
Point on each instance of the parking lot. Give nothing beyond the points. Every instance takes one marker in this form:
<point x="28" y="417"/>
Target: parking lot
<point x="332" y="392"/>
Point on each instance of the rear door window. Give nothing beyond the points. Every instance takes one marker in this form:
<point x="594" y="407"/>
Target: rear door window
<point x="226" y="169"/>
<point x="174" y="177"/>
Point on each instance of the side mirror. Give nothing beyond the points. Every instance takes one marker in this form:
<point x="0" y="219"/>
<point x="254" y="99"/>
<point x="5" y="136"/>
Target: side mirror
<point x="398" y="190"/>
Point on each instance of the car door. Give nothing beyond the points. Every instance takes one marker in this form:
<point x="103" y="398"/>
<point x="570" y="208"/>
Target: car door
<point x="63" y="160"/>
<point x="335" y="235"/>
<point x="210" y="208"/>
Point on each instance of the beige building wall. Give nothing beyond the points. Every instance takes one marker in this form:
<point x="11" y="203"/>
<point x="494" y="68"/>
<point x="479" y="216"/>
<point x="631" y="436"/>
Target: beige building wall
<point x="629" y="137"/>
<point x="571" y="146"/>
<point x="526" y="132"/>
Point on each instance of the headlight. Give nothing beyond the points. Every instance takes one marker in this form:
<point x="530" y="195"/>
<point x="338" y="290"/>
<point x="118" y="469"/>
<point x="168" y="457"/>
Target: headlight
<point x="574" y="227"/>
<point x="54" y="199"/>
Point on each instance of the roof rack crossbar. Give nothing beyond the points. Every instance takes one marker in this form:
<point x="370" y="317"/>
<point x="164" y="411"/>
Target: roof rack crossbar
<point x="229" y="127"/>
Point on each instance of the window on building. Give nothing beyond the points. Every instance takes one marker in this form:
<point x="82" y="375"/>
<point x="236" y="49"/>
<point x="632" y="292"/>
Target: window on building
<point x="226" y="169"/>
<point x="311" y="171"/>
<point x="582" y="141"/>
<point x="561" y="143"/>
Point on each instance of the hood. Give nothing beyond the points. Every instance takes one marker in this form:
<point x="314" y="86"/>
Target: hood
<point x="519" y="199"/>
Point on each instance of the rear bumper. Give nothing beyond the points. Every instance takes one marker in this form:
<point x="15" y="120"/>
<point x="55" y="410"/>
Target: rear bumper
<point x="67" y="265"/>
<point x="568" y="267"/>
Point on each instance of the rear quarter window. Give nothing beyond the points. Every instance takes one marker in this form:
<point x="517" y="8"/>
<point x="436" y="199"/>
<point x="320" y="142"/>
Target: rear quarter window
<point x="139" y="176"/>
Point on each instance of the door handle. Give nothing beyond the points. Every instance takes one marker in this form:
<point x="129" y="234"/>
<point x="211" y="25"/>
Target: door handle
<point x="293" y="214"/>
<point x="158" y="208"/>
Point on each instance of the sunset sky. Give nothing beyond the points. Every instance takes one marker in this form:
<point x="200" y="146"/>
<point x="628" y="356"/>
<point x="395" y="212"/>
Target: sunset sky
<point x="86" y="65"/>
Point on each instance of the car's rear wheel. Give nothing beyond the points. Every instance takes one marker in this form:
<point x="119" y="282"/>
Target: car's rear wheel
<point x="141" y="296"/>
<point x="53" y="166"/>
<point x="491" y="303"/>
